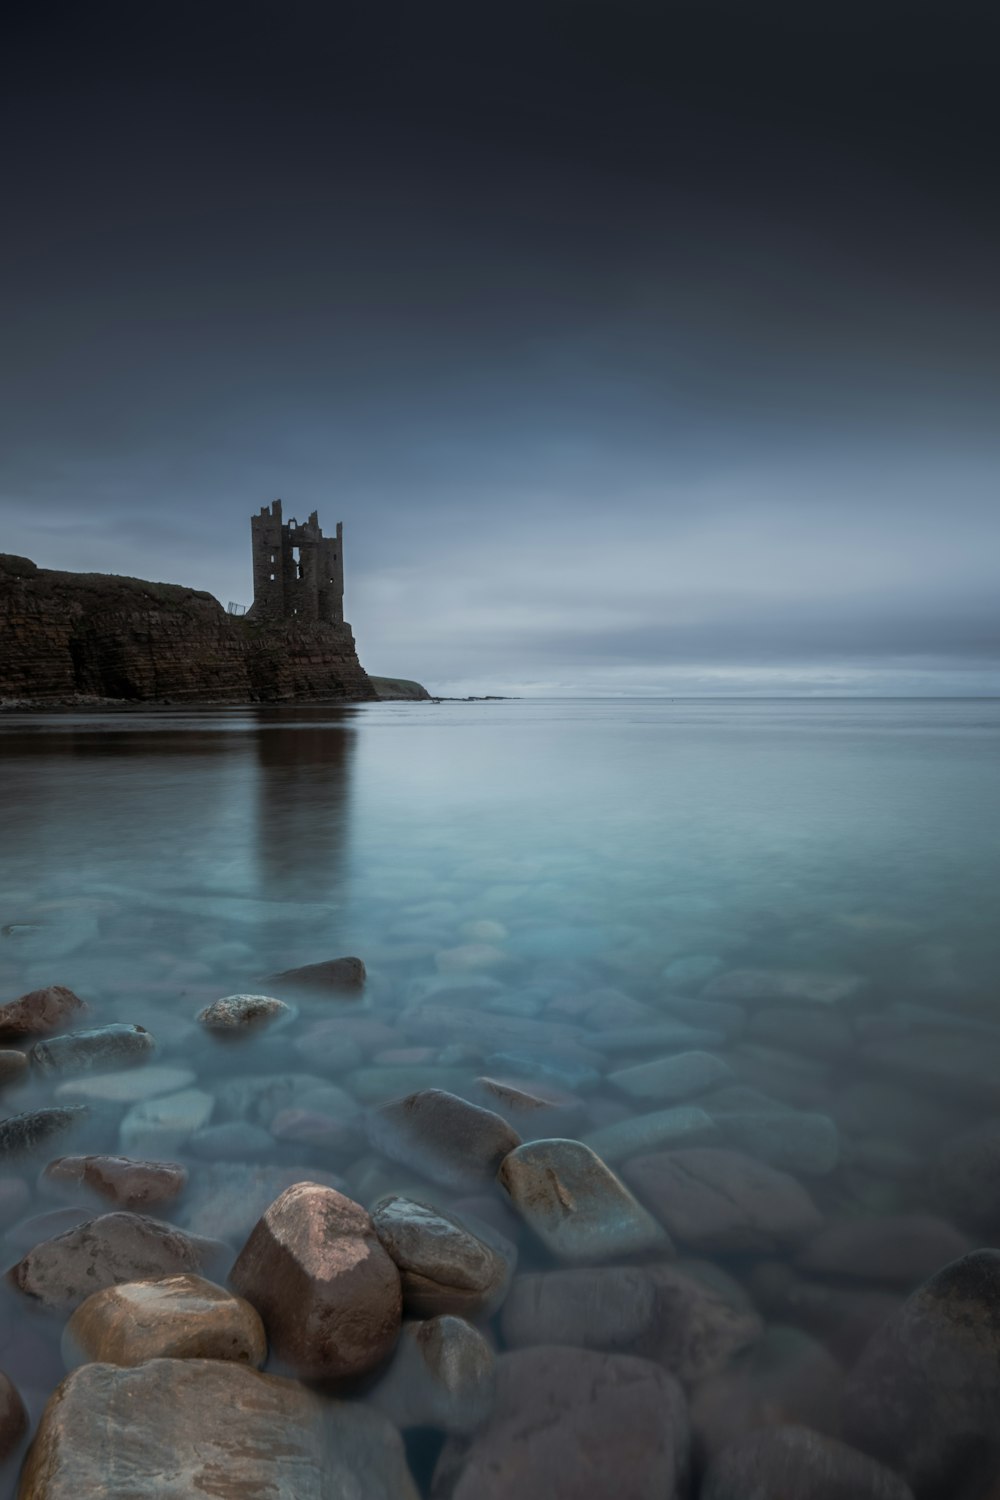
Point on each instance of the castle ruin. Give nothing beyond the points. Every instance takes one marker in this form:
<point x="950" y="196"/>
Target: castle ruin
<point x="298" y="573"/>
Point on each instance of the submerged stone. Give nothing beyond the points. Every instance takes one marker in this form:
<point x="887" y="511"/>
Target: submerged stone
<point x="797" y="1461"/>
<point x="126" y="1087"/>
<point x="442" y="1136"/>
<point x="328" y="1293"/>
<point x="132" y="1184"/>
<point x="672" y="1079"/>
<point x="808" y="986"/>
<point x="180" y="1317"/>
<point x="333" y="976"/>
<point x="898" y="1248"/>
<point x="226" y="1198"/>
<point x="442" y="1375"/>
<point x="13" y="1065"/>
<point x="161" y="1126"/>
<point x="573" y="1423"/>
<point x="685" y="1124"/>
<point x="113" y="1046"/>
<point x="575" y="1204"/>
<point x="797" y="1141"/>
<point x="587" y="1307"/>
<point x="444" y="1266"/>
<point x="171" y="1429"/>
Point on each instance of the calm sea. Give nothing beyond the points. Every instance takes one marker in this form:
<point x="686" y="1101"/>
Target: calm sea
<point x="599" y="863"/>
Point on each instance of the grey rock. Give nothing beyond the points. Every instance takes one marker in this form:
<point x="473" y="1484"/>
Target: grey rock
<point x="717" y="1200"/>
<point x="575" y="1204"/>
<point x="903" y="1249"/>
<point x="233" y="1140"/>
<point x="334" y="976"/>
<point x="445" y="1266"/>
<point x="443" y="1137"/>
<point x="238" y="1013"/>
<point x="258" y="1097"/>
<point x="114" y="1046"/>
<point x="126" y="1087"/>
<point x="159" y="1127"/>
<point x="686" y="1124"/>
<point x="925" y="1395"/>
<point x="801" y="986"/>
<point x="678" y="1036"/>
<point x="703" y="1318"/>
<point x="572" y="1424"/>
<point x="21" y="1135"/>
<point x="442" y="1375"/>
<point x="796" y="1461"/>
<point x="799" y="1141"/>
<point x="668" y="1080"/>
<point x="104" y="1251"/>
<point x="589" y="1307"/>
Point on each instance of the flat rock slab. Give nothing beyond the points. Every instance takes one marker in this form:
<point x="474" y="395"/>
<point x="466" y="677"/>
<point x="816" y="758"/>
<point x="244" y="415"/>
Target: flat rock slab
<point x="128" y="1087"/>
<point x="181" y="1317"/>
<point x="572" y="1424"/>
<point x="443" y="1137"/>
<point x="63" y="1271"/>
<point x="238" y="1013"/>
<point x="684" y="1125"/>
<point x="925" y="1395"/>
<point x="445" y="1267"/>
<point x="716" y="1200"/>
<point x="575" y="1204"/>
<point x="158" y="1127"/>
<point x="21" y="1135"/>
<point x="442" y="1375"/>
<point x="40" y="1012"/>
<point x="328" y="1293"/>
<point x="797" y="1461"/>
<point x="113" y="1046"/>
<point x="176" y="1429"/>
<point x="801" y="986"/>
<point x="669" y="1080"/>
<point x="131" y="1184"/>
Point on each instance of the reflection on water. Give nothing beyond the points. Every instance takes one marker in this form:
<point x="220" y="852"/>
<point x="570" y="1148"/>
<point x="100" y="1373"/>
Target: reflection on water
<point x="541" y="891"/>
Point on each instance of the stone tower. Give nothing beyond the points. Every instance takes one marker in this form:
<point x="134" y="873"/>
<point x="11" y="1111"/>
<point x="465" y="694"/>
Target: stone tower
<point x="298" y="573"/>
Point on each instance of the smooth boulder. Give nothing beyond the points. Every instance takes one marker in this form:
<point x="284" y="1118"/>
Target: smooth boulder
<point x="174" y="1429"/>
<point x="180" y="1317"/>
<point x="40" y="1012"/>
<point x="22" y="1135"/>
<point x="442" y="1136"/>
<point x="236" y="1013"/>
<point x="445" y="1266"/>
<point x="113" y="1046"/>
<point x="717" y="1200"/>
<point x="329" y="1295"/>
<point x="128" y="1183"/>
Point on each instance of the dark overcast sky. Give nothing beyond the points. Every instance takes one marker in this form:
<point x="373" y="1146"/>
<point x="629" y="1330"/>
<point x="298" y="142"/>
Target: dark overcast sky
<point x="640" y="347"/>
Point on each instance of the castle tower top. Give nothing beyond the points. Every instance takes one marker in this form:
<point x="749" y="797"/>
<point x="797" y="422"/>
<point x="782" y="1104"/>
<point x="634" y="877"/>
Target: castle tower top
<point x="298" y="573"/>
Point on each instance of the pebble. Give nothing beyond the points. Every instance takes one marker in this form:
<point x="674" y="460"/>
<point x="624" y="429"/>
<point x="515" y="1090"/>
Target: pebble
<point x="215" y="1428"/>
<point x="442" y="1136"/>
<point x="116" y="1247"/>
<point x="717" y="1200"/>
<point x="126" y="1088"/>
<point x="575" y="1204"/>
<point x="180" y="1317"/>
<point x="329" y="1295"/>
<point x="159" y="1127"/>
<point x="444" y="1266"/>
<point x="572" y="1423"/>
<point x="243" y="1013"/>
<point x="39" y="1012"/>
<point x="442" y="1375"/>
<point x="128" y="1183"/>
<point x="796" y="1461"/>
<point x="114" y="1046"/>
<point x="669" y="1080"/>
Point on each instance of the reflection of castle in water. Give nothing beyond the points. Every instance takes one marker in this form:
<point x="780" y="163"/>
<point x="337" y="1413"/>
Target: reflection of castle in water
<point x="303" y="802"/>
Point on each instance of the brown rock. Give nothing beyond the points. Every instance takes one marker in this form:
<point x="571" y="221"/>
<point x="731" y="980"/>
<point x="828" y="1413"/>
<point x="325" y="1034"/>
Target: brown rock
<point x="795" y="1461"/>
<point x="442" y="1136"/>
<point x="444" y="1266"/>
<point x="716" y="1200"/>
<point x="132" y="1184"/>
<point x="13" y="1418"/>
<point x="328" y="1293"/>
<point x="181" y="1317"/>
<point x="571" y="1424"/>
<point x="13" y="1065"/>
<point x="242" y="1013"/>
<point x="174" y="1429"/>
<point x="116" y="1247"/>
<point x="333" y="975"/>
<point x="40" y="1011"/>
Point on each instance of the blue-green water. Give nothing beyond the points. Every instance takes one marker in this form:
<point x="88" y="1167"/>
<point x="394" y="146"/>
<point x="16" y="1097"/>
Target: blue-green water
<point x="536" y="860"/>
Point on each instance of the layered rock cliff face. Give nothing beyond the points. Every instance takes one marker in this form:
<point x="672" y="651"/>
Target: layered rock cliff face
<point x="94" y="635"/>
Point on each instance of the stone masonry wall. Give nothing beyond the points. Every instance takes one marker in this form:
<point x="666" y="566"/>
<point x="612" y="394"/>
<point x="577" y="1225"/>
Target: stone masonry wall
<point x="68" y="635"/>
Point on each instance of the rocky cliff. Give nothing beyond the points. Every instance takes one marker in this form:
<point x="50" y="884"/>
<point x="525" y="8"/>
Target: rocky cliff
<point x="94" y="635"/>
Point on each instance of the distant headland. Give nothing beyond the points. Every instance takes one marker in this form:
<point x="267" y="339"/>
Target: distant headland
<point x="91" y="638"/>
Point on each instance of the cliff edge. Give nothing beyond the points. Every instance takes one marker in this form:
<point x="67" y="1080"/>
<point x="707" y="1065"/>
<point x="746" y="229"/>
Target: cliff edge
<point x="95" y="635"/>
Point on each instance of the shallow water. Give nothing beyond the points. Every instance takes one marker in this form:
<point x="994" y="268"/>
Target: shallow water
<point x="532" y="860"/>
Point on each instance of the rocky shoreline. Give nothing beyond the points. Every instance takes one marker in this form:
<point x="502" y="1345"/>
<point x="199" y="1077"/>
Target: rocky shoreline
<point x="476" y="1249"/>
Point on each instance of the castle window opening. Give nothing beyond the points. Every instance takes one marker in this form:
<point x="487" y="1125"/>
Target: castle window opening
<point x="297" y="560"/>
